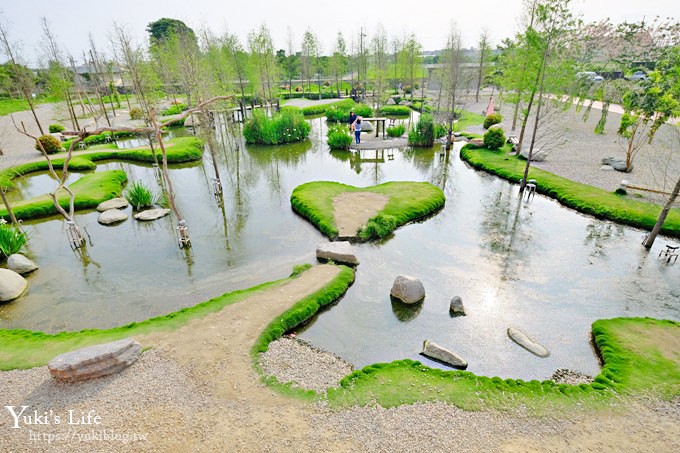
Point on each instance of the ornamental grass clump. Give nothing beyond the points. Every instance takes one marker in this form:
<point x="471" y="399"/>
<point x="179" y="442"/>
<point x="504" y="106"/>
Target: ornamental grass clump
<point x="140" y="196"/>
<point x="396" y="131"/>
<point x="423" y="134"/>
<point x="338" y="137"/>
<point x="11" y="240"/>
<point x="50" y="144"/>
<point x="285" y="127"/>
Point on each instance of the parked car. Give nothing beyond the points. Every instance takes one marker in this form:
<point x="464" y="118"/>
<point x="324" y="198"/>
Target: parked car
<point x="589" y="76"/>
<point x="638" y="75"/>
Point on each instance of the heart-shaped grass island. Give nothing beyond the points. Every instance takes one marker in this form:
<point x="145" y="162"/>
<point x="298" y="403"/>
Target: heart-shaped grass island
<point x="345" y="212"/>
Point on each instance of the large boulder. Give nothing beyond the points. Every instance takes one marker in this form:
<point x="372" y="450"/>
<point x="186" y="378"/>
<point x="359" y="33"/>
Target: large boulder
<point x="12" y="285"/>
<point x="113" y="203"/>
<point x="112" y="216"/>
<point x="456" y="306"/>
<point x="20" y="264"/>
<point x="617" y="164"/>
<point x="527" y="342"/>
<point x="95" y="361"/>
<point x="440" y="354"/>
<point x="536" y="156"/>
<point x="152" y="214"/>
<point x="340" y="252"/>
<point x="408" y="289"/>
<point x="366" y="126"/>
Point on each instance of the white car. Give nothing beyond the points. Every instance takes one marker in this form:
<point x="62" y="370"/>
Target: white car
<point x="638" y="75"/>
<point x="589" y="76"/>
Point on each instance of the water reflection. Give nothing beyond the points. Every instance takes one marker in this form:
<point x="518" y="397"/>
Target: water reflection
<point x="405" y="312"/>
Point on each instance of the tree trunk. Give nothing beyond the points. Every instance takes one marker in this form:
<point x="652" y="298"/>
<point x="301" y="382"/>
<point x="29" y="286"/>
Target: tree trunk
<point x="662" y="217"/>
<point x="10" y="212"/>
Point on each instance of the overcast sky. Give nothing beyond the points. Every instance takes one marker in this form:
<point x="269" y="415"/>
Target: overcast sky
<point x="73" y="20"/>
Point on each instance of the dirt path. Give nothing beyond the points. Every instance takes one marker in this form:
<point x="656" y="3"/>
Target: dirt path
<point x="352" y="210"/>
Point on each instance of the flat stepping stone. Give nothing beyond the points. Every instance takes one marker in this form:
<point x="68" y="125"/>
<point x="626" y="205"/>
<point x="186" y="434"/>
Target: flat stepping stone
<point x="527" y="342"/>
<point x="20" y="264"/>
<point x="152" y="214"/>
<point x="113" y="203"/>
<point x="408" y="289"/>
<point x="112" y="216"/>
<point x="95" y="361"/>
<point x="441" y="354"/>
<point x="340" y="252"/>
<point x="12" y="285"/>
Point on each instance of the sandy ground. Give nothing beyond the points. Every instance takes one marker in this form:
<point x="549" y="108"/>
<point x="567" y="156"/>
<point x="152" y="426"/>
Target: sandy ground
<point x="352" y="210"/>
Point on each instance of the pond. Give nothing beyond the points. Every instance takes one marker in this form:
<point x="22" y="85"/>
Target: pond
<point x="532" y="264"/>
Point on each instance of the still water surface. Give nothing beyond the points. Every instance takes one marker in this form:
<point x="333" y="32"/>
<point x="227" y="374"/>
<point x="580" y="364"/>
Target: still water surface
<point x="534" y="265"/>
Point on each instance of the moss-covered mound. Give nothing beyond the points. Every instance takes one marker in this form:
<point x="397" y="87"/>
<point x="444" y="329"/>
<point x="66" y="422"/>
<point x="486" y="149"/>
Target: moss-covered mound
<point x="639" y="354"/>
<point x="408" y="201"/>
<point x="584" y="198"/>
<point x="90" y="190"/>
<point x="178" y="150"/>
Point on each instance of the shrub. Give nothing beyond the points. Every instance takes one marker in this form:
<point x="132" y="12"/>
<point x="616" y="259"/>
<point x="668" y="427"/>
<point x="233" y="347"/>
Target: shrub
<point x="440" y="130"/>
<point x="395" y="110"/>
<point x="407" y="89"/>
<point x="491" y="119"/>
<point x="494" y="138"/>
<point x="140" y="196"/>
<point x="422" y="134"/>
<point x="136" y="113"/>
<point x="338" y="137"/>
<point x="339" y="112"/>
<point x="50" y="144"/>
<point x="363" y="110"/>
<point x="285" y="127"/>
<point x="55" y="128"/>
<point x="11" y="240"/>
<point x="298" y="89"/>
<point x="396" y="131"/>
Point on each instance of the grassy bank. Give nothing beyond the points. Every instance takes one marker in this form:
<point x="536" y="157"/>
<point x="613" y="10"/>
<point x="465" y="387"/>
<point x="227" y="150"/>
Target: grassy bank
<point x="26" y="349"/>
<point x="584" y="198"/>
<point x="638" y="355"/>
<point x="8" y="106"/>
<point x="408" y="201"/>
<point x="90" y="190"/>
<point x="179" y="150"/>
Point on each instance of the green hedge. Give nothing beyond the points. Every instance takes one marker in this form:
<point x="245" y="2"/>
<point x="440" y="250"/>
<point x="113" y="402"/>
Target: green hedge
<point x="395" y="110"/>
<point x="339" y="137"/>
<point x="408" y="201"/>
<point x="581" y="197"/>
<point x="321" y="108"/>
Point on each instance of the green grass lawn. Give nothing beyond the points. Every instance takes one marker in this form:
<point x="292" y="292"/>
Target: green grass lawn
<point x="581" y="197"/>
<point x="408" y="201"/>
<point x="8" y="106"/>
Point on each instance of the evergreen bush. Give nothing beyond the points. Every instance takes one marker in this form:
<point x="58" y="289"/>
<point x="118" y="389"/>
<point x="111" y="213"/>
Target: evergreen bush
<point x="396" y="131"/>
<point x="50" y="144"/>
<point x="55" y="128"/>
<point x="136" y="113"/>
<point x="494" y="138"/>
<point x="491" y="119"/>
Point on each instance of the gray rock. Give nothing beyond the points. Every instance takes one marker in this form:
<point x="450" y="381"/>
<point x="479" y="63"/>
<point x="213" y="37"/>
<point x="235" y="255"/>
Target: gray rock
<point x="536" y="156"/>
<point x="366" y="126"/>
<point x="408" y="289"/>
<point x="112" y="216"/>
<point x="476" y="141"/>
<point x="391" y="101"/>
<point x="152" y="214"/>
<point x="606" y="168"/>
<point x="436" y="352"/>
<point x="12" y="285"/>
<point x="527" y="343"/>
<point x="497" y="126"/>
<point x="113" y="203"/>
<point x="20" y="264"/>
<point x="341" y="252"/>
<point x="95" y="361"/>
<point x="617" y="164"/>
<point x="456" y="306"/>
